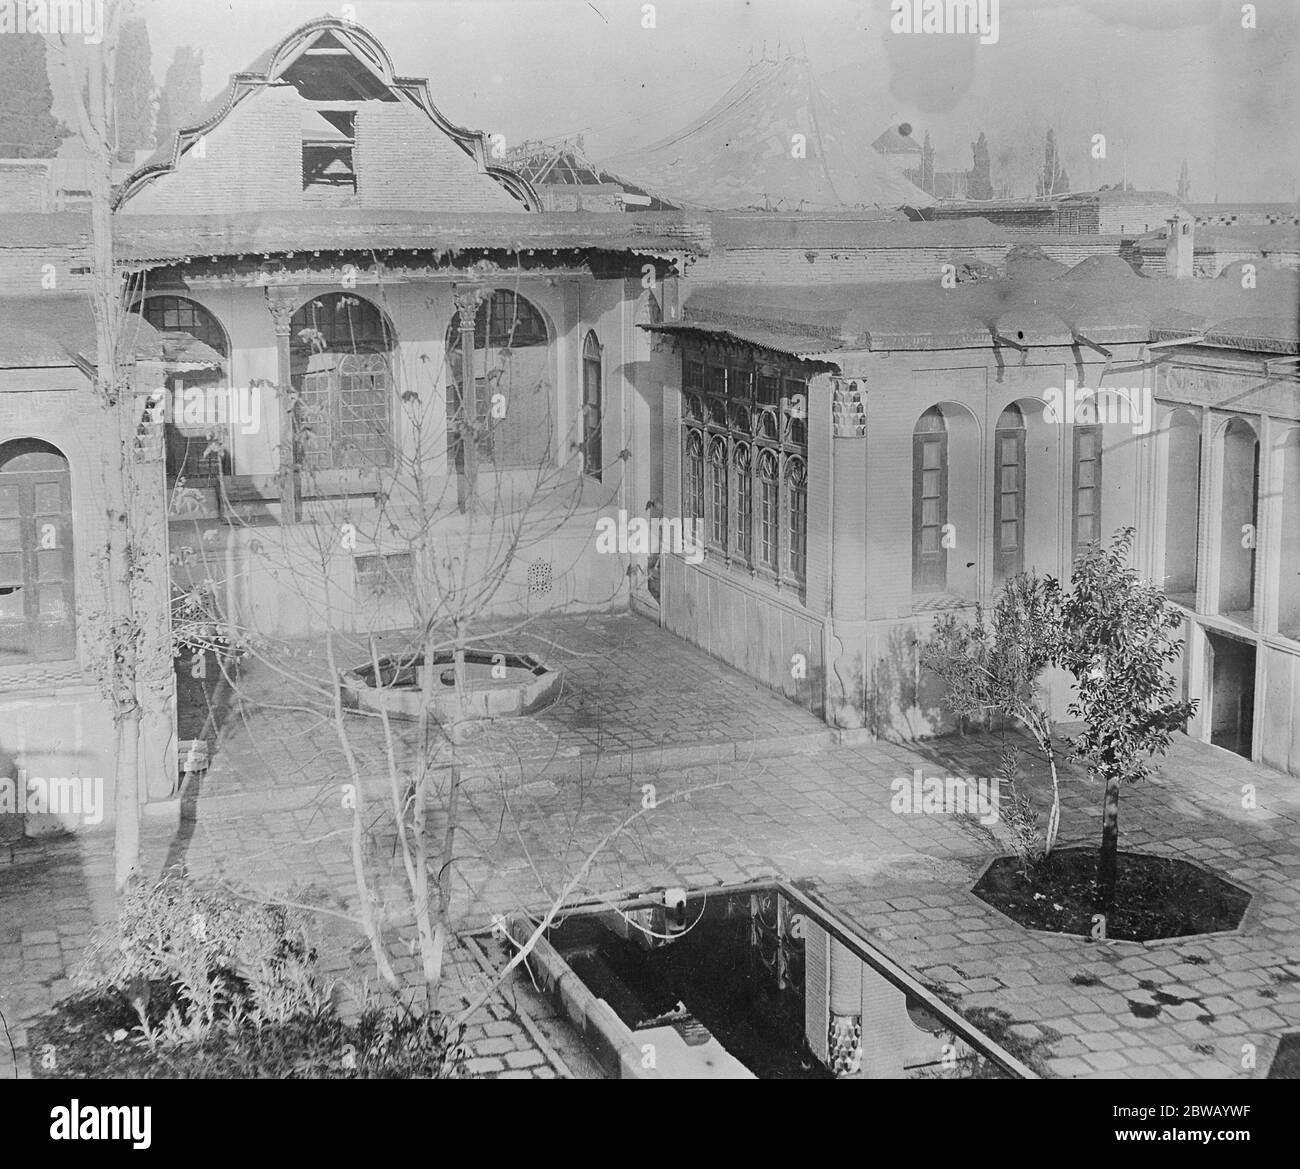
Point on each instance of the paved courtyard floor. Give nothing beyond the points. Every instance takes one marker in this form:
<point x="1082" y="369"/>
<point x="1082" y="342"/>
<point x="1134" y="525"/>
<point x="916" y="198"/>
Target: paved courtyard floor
<point x="753" y="788"/>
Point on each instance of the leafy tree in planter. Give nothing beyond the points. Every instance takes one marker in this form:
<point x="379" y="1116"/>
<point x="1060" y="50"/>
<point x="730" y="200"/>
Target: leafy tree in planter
<point x="1118" y="636"/>
<point x="995" y="666"/>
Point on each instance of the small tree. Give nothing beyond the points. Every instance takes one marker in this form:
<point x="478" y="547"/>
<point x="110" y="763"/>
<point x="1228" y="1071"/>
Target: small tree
<point x="181" y="96"/>
<point x="980" y="184"/>
<point x="995" y="667"/>
<point x="133" y="90"/>
<point x="28" y="128"/>
<point x="1118" y="638"/>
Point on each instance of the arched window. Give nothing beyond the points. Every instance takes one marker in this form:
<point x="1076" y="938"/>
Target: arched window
<point x="592" y="412"/>
<point x="769" y="516"/>
<point x="1009" y="494"/>
<point x="197" y="410"/>
<point x="796" y="482"/>
<point x="37" y="573"/>
<point x="693" y="487"/>
<point x="512" y="383"/>
<point x="1239" y="520"/>
<point x="718" y="492"/>
<point x="742" y="538"/>
<point x="929" y="502"/>
<point x="1086" y="497"/>
<point x="1182" y="505"/>
<point x="341" y="351"/>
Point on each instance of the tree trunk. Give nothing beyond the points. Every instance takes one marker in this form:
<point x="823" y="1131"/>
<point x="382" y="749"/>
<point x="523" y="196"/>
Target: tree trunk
<point x="1108" y="862"/>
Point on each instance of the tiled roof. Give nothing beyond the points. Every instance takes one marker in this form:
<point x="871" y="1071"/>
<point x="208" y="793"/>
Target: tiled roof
<point x="53" y="329"/>
<point x="144" y="238"/>
<point x="1101" y="299"/>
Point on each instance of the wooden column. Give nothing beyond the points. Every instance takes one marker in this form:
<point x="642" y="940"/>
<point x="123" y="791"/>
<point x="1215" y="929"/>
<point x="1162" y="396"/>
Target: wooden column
<point x="467" y="298"/>
<point x="282" y="301"/>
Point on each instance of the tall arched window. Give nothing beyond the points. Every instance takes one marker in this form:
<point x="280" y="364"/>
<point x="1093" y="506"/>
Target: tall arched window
<point x="37" y="574"/>
<point x="1182" y="505"/>
<point x="693" y="487"/>
<point x="512" y="383"/>
<point x="341" y="351"/>
<point x="1239" y="520"/>
<point x="1086" y="497"/>
<point x="796" y="483"/>
<point x="742" y="530"/>
<point x="592" y="411"/>
<point x="929" y="502"/>
<point x="1009" y="494"/>
<point x="718" y="492"/>
<point x="197" y="408"/>
<point x="769" y="522"/>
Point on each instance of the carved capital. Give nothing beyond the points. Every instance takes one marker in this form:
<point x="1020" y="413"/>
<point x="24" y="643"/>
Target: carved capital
<point x="282" y="302"/>
<point x="849" y="407"/>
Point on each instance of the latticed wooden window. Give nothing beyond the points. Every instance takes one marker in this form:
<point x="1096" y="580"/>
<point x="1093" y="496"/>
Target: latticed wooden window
<point x="742" y="541"/>
<point x="718" y="492"/>
<point x="341" y="358"/>
<point x="694" y="475"/>
<point x="929" y="502"/>
<point x="1009" y="494"/>
<point x="768" y="509"/>
<point x="796" y="480"/>
<point x="749" y="423"/>
<point x="1087" y="486"/>
<point x="37" y="575"/>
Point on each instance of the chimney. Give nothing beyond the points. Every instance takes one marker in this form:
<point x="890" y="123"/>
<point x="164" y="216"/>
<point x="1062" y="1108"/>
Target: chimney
<point x="1179" y="261"/>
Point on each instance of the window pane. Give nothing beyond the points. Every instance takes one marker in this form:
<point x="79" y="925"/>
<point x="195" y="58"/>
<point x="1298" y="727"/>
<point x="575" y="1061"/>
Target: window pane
<point x="1011" y="507"/>
<point x="1010" y="533"/>
<point x="47" y="499"/>
<point x="11" y="568"/>
<point x="930" y="481"/>
<point x="1009" y="478"/>
<point x="932" y="454"/>
<point x="929" y="511"/>
<point x="11" y="604"/>
<point x="8" y="501"/>
<point x="11" y="535"/>
<point x="52" y="604"/>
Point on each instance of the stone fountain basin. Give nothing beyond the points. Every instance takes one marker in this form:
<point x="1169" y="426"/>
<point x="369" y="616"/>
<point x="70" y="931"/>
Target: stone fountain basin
<point x="500" y="685"/>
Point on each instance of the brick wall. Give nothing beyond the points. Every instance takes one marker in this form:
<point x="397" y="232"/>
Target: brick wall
<point x="404" y="161"/>
<point x="24" y="185"/>
<point x="252" y="161"/>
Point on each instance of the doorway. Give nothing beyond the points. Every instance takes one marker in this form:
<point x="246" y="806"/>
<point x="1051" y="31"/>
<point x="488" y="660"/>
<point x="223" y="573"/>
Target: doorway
<point x="1232" y="694"/>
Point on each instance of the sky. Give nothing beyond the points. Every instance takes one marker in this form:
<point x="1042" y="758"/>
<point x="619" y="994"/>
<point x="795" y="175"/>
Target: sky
<point x="1163" y="80"/>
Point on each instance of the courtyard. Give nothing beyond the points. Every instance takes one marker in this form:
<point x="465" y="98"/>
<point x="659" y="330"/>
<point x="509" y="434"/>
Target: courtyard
<point x="745" y="786"/>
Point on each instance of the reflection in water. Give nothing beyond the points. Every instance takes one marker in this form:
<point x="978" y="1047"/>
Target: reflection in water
<point x="754" y="985"/>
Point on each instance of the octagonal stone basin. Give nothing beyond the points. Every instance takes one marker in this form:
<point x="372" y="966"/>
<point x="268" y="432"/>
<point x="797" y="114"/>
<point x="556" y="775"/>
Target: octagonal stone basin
<point x="500" y="685"/>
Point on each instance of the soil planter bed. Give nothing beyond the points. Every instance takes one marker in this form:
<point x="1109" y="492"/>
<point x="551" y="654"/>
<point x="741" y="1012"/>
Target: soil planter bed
<point x="1155" y="896"/>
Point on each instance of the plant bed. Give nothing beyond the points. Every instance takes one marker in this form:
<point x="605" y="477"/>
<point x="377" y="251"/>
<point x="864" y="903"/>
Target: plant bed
<point x="1155" y="896"/>
<point x="96" y="1035"/>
